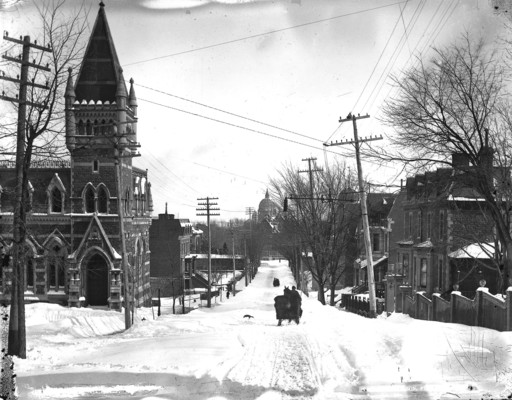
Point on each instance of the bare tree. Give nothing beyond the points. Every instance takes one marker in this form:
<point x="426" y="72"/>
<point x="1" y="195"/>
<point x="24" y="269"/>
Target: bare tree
<point x="458" y="102"/>
<point x="65" y="34"/>
<point x="323" y="225"/>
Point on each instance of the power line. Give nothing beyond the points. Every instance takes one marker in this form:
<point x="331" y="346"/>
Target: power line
<point x="398" y="48"/>
<point x="378" y="61"/>
<point x="235" y="125"/>
<point x="264" y="33"/>
<point x="230" y="113"/>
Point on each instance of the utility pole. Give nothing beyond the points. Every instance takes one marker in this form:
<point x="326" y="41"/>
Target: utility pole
<point x="248" y="211"/>
<point x="233" y="286"/>
<point x="208" y="208"/>
<point x="17" y="332"/>
<point x="119" y="149"/>
<point x="310" y="170"/>
<point x="364" y="209"/>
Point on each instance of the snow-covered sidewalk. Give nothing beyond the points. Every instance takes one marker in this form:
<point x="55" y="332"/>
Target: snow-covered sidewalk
<point x="218" y="354"/>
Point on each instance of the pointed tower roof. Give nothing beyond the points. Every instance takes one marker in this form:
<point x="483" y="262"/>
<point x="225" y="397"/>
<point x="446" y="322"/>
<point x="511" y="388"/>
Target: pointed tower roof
<point x="99" y="73"/>
<point x="132" y="99"/>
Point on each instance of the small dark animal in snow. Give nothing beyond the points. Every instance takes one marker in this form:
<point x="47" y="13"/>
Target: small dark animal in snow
<point x="248" y="316"/>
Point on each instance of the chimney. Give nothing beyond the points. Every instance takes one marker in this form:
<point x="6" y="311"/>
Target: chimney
<point x="459" y="160"/>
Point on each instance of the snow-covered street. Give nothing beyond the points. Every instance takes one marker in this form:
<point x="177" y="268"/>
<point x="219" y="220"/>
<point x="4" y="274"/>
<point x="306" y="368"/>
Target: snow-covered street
<point x="218" y="354"/>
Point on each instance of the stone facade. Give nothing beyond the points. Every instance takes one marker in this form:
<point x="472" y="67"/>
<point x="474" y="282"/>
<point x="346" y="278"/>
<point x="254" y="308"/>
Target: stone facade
<point x="74" y="243"/>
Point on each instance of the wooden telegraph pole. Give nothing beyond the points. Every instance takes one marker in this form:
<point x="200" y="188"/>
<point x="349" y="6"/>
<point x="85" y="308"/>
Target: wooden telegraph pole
<point x="364" y="209"/>
<point x="17" y="333"/>
<point x="310" y="170"/>
<point x="208" y="208"/>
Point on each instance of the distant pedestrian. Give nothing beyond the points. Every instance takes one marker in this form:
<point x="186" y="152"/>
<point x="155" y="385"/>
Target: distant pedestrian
<point x="227" y="294"/>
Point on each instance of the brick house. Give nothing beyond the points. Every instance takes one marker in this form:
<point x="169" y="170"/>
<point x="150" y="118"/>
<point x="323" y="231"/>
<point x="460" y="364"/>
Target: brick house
<point x="435" y="217"/>
<point x="169" y="243"/>
<point x="73" y="240"/>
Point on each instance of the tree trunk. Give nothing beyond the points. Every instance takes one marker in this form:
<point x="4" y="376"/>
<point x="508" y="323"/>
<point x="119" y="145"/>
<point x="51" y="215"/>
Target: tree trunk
<point x="507" y="266"/>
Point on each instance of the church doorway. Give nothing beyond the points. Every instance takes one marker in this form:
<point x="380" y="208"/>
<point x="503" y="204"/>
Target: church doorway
<point x="97" y="281"/>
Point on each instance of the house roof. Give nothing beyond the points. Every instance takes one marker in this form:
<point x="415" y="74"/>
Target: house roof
<point x="100" y="71"/>
<point x="375" y="262"/>
<point x="427" y="244"/>
<point x="474" y="250"/>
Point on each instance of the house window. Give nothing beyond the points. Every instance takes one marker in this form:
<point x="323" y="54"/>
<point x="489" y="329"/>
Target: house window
<point x="409" y="228"/>
<point x="89" y="200"/>
<point x="29" y="274"/>
<point x="440" y="275"/>
<point x="56" y="199"/>
<point x="429" y="225"/>
<point x="95" y="166"/>
<point x="419" y="225"/>
<point x="442" y="230"/>
<point x="102" y="200"/>
<point x="405" y="264"/>
<point x="376" y="242"/>
<point x="423" y="273"/>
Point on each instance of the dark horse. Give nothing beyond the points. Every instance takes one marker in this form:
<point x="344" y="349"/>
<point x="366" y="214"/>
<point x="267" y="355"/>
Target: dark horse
<point x="276" y="282"/>
<point x="286" y="307"/>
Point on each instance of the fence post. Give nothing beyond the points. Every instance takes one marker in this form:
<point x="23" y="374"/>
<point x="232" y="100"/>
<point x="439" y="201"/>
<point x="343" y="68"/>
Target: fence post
<point x="453" y="306"/>
<point x="479" y="305"/>
<point x="509" y="308"/>
<point x="435" y="299"/>
<point x="417" y="305"/>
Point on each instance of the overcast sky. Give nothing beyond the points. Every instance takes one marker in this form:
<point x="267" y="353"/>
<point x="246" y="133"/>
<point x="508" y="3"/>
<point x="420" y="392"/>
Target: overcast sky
<point x="290" y="68"/>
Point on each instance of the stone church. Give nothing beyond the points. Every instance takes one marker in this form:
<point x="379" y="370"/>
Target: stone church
<point x="73" y="225"/>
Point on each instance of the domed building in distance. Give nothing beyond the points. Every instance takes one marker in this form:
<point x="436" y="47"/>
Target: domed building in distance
<point x="268" y="209"/>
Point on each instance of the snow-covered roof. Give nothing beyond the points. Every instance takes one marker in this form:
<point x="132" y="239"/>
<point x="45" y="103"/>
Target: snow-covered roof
<point x="474" y="250"/>
<point x="375" y="262"/>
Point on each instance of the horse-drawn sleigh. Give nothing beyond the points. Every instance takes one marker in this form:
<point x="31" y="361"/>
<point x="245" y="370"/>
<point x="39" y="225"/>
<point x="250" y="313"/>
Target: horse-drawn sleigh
<point x="288" y="306"/>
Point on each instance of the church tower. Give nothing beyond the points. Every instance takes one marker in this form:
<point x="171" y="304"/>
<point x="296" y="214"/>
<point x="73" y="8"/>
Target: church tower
<point x="101" y="120"/>
<point x="101" y="131"/>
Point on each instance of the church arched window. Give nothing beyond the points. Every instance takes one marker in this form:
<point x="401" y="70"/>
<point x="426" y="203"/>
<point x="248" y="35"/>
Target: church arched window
<point x="56" y="193"/>
<point x="56" y="267"/>
<point x="81" y="128"/>
<point x="111" y="126"/>
<point x="89" y="200"/>
<point x="56" y="200"/>
<point x="88" y="128"/>
<point x="102" y="200"/>
<point x="127" y="210"/>
<point x="96" y="128"/>
<point x="103" y="127"/>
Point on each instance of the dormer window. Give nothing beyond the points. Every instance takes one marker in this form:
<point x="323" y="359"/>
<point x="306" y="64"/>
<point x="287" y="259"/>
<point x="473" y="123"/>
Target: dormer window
<point x="56" y="199"/>
<point x="56" y="194"/>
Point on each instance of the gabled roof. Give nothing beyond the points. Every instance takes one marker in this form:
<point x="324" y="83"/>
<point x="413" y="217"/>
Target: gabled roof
<point x="95" y="230"/>
<point x="100" y="69"/>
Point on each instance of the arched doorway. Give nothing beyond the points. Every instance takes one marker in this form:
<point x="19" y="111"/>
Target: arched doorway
<point x="97" y="281"/>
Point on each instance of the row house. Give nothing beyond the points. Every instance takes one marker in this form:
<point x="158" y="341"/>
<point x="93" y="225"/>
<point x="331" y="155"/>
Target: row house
<point x="436" y="223"/>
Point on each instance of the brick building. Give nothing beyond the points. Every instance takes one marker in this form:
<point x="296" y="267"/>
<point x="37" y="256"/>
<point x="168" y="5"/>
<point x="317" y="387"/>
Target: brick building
<point x="436" y="216"/>
<point x="73" y="239"/>
<point x="169" y="243"/>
